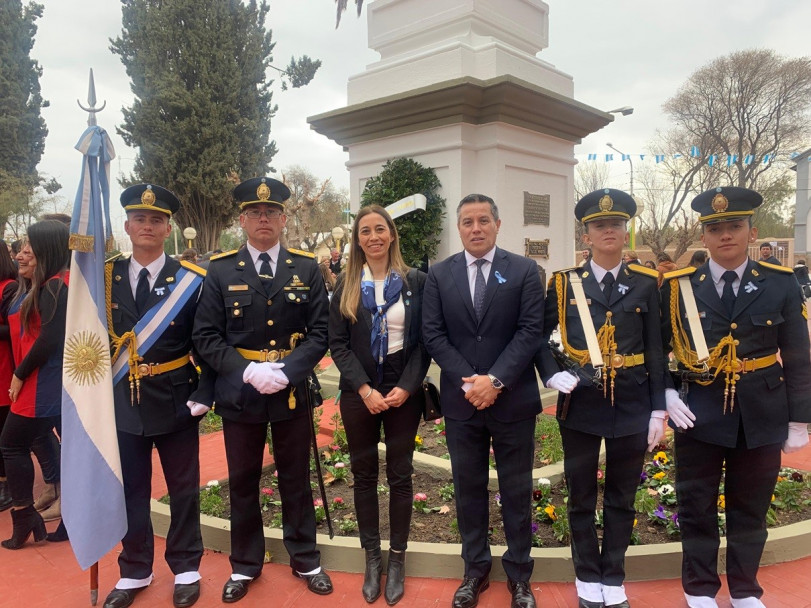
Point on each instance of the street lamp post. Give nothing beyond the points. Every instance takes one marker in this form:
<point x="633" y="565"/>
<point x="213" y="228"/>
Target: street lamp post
<point x="190" y="234"/>
<point x="632" y="242"/>
<point x="337" y="235"/>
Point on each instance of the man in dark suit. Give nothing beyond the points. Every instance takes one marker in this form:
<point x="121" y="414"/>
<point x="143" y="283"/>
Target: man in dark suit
<point x="732" y="421"/>
<point x="627" y="413"/>
<point x="482" y="323"/>
<point x="262" y="326"/>
<point x="155" y="402"/>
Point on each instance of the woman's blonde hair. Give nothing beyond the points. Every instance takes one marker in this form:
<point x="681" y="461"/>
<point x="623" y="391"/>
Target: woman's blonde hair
<point x="350" y="297"/>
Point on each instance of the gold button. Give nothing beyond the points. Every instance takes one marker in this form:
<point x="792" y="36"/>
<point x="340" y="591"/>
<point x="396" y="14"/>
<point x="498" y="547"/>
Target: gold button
<point x="733" y="326"/>
<point x="171" y="322"/>
<point x="273" y="342"/>
<point x="781" y="378"/>
<point x="638" y="310"/>
<point x="236" y="303"/>
<point x="609" y="314"/>
<point x="769" y="322"/>
<point x="236" y="312"/>
<point x="270" y="322"/>
<point x="270" y="302"/>
<point x="299" y="300"/>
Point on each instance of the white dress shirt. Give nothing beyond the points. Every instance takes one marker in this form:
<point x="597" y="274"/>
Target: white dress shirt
<point x="274" y="256"/>
<point x="153" y="268"/>
<point x="717" y="271"/>
<point x="471" y="268"/>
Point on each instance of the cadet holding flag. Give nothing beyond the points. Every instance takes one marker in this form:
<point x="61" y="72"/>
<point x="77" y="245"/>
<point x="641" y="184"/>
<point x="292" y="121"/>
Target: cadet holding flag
<point x="725" y="322"/>
<point x="608" y="314"/>
<point x="151" y="299"/>
<point x="262" y="326"/>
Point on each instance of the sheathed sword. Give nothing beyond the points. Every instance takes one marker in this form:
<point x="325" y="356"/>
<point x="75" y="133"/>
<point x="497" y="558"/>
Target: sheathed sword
<point x="575" y="369"/>
<point x="308" y="398"/>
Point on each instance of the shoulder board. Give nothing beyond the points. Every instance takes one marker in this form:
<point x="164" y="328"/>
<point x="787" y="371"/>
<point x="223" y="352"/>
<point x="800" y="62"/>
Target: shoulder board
<point x="224" y="254"/>
<point x="639" y="269"/>
<point x="681" y="272"/>
<point x="776" y="267"/>
<point x="193" y="267"/>
<point x="567" y="269"/>
<point x="300" y="252"/>
<point x="114" y="257"/>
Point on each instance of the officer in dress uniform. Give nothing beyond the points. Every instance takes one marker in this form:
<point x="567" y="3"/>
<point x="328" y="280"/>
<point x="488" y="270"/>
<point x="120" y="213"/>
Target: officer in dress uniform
<point x="262" y="326"/>
<point x="622" y="403"/>
<point x="725" y="322"/>
<point x="157" y="399"/>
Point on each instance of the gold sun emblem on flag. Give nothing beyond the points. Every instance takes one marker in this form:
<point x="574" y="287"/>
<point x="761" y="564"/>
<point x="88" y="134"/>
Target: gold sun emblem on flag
<point x="86" y="358"/>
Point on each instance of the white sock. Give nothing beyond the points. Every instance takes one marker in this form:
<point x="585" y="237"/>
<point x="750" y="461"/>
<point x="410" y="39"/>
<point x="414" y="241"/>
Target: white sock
<point x="700" y="601"/>
<point x="613" y="594"/>
<point x="591" y="592"/>
<point x="746" y="602"/>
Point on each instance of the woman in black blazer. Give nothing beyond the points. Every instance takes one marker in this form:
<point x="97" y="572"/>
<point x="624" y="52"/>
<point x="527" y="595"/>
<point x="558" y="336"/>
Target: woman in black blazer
<point x="375" y="340"/>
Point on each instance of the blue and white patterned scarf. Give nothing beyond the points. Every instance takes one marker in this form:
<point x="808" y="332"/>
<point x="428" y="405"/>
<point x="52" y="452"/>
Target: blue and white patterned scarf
<point x="392" y="287"/>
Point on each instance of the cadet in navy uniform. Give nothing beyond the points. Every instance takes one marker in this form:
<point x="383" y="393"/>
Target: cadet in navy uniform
<point x="741" y="404"/>
<point x="621" y="301"/>
<point x="262" y="326"/>
<point x="156" y="403"/>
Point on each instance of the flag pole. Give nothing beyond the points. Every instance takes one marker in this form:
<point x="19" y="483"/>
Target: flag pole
<point x="94" y="584"/>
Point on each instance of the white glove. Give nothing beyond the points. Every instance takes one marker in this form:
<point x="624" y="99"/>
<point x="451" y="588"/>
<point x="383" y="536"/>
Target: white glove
<point x="678" y="411"/>
<point x="797" y="437"/>
<point x="656" y="430"/>
<point x="197" y="409"/>
<point x="267" y="378"/>
<point x="563" y="382"/>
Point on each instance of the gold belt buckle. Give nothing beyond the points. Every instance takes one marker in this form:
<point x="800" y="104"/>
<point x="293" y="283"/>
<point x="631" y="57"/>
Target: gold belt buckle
<point x="617" y="361"/>
<point x="145" y="369"/>
<point x="272" y="356"/>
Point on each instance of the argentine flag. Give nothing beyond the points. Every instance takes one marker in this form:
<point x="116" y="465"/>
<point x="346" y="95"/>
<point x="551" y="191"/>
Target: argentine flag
<point x="93" y="506"/>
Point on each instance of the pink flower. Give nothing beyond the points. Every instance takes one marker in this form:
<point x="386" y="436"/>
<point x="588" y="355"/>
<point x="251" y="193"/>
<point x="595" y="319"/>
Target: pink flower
<point x="438" y="421"/>
<point x="599" y="474"/>
<point x="338" y="500"/>
<point x="340" y="465"/>
<point x="420" y="496"/>
<point x="267" y="491"/>
<point x="275" y="473"/>
<point x="335" y="447"/>
<point x="318" y="502"/>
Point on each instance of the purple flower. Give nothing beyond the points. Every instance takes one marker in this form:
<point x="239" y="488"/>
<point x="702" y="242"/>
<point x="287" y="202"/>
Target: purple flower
<point x="535" y="527"/>
<point x="659" y="512"/>
<point x="675" y="519"/>
<point x="643" y="476"/>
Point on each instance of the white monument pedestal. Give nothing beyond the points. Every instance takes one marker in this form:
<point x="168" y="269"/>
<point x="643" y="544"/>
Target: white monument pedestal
<point x="459" y="88"/>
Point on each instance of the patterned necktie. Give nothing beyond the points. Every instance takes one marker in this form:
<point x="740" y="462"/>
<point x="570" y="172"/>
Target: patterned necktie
<point x="265" y="273"/>
<point x="142" y="291"/>
<point x="479" y="289"/>
<point x="608" y="285"/>
<point x="728" y="295"/>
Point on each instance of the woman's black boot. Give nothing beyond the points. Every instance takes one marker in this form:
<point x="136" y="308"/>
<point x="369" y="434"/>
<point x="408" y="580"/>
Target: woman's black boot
<point x="371" y="579"/>
<point x="59" y="535"/>
<point x="395" y="577"/>
<point x="26" y="521"/>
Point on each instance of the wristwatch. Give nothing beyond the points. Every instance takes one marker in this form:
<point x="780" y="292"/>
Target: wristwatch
<point x="497" y="384"/>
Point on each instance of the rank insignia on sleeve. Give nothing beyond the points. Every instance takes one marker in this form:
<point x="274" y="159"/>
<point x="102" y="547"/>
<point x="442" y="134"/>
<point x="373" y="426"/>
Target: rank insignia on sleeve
<point x="805" y="311"/>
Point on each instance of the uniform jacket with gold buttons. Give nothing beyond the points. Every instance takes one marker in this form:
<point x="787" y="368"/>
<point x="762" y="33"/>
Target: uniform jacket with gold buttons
<point x="769" y="316"/>
<point x="162" y="406"/>
<point x="638" y="390"/>
<point x="236" y="311"/>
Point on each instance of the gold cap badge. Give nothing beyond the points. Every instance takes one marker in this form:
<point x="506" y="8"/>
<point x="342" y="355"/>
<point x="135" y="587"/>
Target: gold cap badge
<point x="263" y="192"/>
<point x="720" y="203"/>
<point x="606" y="203"/>
<point x="148" y="197"/>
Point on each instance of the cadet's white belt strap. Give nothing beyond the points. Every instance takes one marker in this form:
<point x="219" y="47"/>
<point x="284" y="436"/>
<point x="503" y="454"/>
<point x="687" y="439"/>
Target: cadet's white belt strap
<point x="693" y="320"/>
<point x="585" y="320"/>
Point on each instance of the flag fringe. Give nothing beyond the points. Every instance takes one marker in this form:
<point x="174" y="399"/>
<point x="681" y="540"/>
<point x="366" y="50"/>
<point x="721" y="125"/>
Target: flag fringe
<point x="81" y="242"/>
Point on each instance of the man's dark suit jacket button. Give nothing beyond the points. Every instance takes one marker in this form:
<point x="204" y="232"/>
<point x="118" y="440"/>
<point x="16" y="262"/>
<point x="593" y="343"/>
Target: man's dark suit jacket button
<point x="478" y="338"/>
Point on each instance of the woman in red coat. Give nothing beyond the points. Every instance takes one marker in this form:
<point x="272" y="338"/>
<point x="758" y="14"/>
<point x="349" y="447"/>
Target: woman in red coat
<point x="8" y="287"/>
<point x="37" y="327"/>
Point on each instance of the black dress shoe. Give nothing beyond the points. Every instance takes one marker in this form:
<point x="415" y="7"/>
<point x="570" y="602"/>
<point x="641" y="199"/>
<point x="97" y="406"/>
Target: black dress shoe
<point x="522" y="594"/>
<point x="467" y="595"/>
<point x="186" y="595"/>
<point x="235" y="590"/>
<point x="121" y="598"/>
<point x="319" y="583"/>
<point x="624" y="604"/>
<point x="581" y="603"/>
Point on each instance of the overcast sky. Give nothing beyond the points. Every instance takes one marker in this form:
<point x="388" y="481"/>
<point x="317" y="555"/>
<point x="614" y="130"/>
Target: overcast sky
<point x="623" y="52"/>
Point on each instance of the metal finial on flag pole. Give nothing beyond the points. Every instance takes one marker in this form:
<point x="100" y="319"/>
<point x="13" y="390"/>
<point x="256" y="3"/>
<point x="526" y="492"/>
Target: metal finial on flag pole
<point x="91" y="102"/>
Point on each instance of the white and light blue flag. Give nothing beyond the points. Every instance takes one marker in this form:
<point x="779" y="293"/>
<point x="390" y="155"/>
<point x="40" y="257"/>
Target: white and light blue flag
<point x="93" y="507"/>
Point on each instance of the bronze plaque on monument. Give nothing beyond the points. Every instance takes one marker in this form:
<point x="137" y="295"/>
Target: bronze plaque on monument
<point x="536" y="249"/>
<point x="536" y="209"/>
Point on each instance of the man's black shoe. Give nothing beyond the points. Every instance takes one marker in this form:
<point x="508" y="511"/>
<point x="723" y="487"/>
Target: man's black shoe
<point x="522" y="594"/>
<point x="319" y="583"/>
<point x="581" y="603"/>
<point x="624" y="604"/>
<point x="235" y="590"/>
<point x="121" y="598"/>
<point x="467" y="595"/>
<point x="186" y="595"/>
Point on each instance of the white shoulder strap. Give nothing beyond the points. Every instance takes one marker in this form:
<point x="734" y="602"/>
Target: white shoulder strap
<point x="693" y="320"/>
<point x="585" y="320"/>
